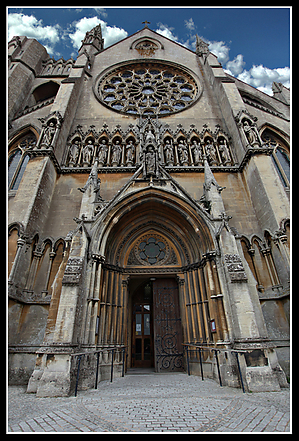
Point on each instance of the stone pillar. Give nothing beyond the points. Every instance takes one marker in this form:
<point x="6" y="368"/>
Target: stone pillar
<point x="20" y="243"/>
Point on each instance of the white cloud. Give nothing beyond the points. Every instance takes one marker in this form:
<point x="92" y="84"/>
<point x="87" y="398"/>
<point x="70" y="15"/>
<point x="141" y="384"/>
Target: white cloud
<point x="220" y="49"/>
<point x="166" y="31"/>
<point x="110" y="34"/>
<point x="28" y="25"/>
<point x="101" y="11"/>
<point x="262" y="77"/>
<point x="189" y="24"/>
<point x="236" y="66"/>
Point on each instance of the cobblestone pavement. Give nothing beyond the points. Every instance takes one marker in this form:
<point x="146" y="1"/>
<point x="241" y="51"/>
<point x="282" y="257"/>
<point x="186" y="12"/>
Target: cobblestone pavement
<point x="151" y="403"/>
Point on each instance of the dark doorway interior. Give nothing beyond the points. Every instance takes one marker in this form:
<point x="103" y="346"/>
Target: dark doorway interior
<point x="156" y="326"/>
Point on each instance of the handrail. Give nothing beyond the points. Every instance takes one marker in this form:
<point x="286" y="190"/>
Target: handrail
<point x="213" y="348"/>
<point x="97" y="352"/>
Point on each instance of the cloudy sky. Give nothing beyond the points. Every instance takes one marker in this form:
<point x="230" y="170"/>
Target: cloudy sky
<point x="253" y="44"/>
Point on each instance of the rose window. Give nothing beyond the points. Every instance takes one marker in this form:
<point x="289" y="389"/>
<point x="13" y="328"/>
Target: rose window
<point x="147" y="89"/>
<point x="152" y="250"/>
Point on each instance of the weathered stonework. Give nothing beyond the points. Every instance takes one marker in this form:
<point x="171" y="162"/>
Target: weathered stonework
<point x="134" y="167"/>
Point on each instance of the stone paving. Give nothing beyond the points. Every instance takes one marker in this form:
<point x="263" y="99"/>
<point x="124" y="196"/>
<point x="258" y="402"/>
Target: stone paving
<point x="151" y="403"/>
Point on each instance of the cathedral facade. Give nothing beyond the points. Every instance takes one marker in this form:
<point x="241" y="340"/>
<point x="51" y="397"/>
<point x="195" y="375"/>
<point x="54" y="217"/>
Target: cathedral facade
<point x="148" y="203"/>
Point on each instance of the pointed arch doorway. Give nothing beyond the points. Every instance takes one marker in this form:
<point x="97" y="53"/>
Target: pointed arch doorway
<point x="156" y="332"/>
<point x="156" y="235"/>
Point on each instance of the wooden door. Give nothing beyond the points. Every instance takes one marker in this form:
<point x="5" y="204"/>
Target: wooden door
<point x="167" y="326"/>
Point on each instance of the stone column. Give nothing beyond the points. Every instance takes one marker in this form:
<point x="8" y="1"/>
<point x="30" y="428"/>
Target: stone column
<point x="20" y="243"/>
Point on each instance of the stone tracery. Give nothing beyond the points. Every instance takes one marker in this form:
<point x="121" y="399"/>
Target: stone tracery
<point x="147" y="89"/>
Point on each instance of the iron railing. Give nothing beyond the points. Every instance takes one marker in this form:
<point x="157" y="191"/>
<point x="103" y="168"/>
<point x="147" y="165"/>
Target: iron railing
<point x="199" y="348"/>
<point x="113" y="350"/>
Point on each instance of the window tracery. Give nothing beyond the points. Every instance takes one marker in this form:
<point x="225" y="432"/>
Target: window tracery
<point x="18" y="159"/>
<point x="147" y="89"/>
<point x="280" y="155"/>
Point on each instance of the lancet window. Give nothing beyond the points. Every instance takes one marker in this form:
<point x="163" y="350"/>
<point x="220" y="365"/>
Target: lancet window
<point x="18" y="159"/>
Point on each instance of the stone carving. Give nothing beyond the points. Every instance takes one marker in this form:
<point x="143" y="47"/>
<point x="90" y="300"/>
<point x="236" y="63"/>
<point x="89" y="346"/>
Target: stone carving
<point x="235" y="268"/>
<point x="151" y="89"/>
<point x="118" y="149"/>
<point x="202" y="48"/>
<point x="92" y="180"/>
<point x="250" y="133"/>
<point x="150" y="156"/>
<point x="73" y="271"/>
<point x="151" y="249"/>
<point x="248" y="128"/>
<point x="183" y="152"/>
<point x="74" y="153"/>
<point x="51" y="125"/>
<point x="102" y="153"/>
<point x="130" y="153"/>
<point x="49" y="134"/>
<point x="150" y="161"/>
<point x="224" y="151"/>
<point x="197" y="152"/>
<point x="168" y="153"/>
<point x="88" y="153"/>
<point x="146" y="48"/>
<point x="211" y="152"/>
<point x="116" y="154"/>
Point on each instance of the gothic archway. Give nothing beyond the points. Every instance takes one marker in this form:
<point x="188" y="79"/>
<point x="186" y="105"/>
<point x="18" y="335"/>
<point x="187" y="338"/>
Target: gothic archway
<point x="153" y="234"/>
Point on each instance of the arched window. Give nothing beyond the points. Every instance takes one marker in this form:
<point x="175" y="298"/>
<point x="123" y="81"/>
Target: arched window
<point x="280" y="155"/>
<point x="18" y="159"/>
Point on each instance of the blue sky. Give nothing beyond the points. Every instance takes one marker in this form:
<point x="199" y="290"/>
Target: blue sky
<point x="253" y="44"/>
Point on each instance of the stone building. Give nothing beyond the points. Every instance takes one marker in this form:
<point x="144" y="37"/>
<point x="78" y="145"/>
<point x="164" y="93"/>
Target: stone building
<point x="148" y="208"/>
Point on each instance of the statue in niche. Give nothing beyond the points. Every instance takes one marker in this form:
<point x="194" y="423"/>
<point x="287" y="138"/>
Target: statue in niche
<point x="130" y="152"/>
<point x="168" y="152"/>
<point x="103" y="150"/>
<point x="88" y="153"/>
<point x="150" y="161"/>
<point x="211" y="152"/>
<point x="197" y="152"/>
<point x="49" y="133"/>
<point x="116" y="154"/>
<point x="224" y="151"/>
<point x="74" y="153"/>
<point x="150" y="137"/>
<point x="250" y="133"/>
<point x="183" y="153"/>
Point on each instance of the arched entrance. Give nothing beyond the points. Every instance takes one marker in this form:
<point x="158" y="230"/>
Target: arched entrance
<point x="156" y="240"/>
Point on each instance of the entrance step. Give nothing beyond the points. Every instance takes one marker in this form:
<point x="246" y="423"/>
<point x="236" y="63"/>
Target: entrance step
<point x="140" y="371"/>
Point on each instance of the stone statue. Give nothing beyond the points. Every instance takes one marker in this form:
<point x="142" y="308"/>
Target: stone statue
<point x="224" y="152"/>
<point x="88" y="153"/>
<point x="250" y="133"/>
<point x="92" y="179"/>
<point x="130" y="151"/>
<point x="197" y="152"/>
<point x="150" y="162"/>
<point x="150" y="137"/>
<point x="211" y="152"/>
<point x="183" y="153"/>
<point x="103" y="150"/>
<point x="49" y="134"/>
<point x="74" y="153"/>
<point x="116" y="154"/>
<point x="168" y="151"/>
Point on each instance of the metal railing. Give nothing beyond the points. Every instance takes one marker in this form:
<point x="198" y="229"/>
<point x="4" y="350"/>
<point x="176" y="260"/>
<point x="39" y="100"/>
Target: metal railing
<point x="113" y="350"/>
<point x="200" y="348"/>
